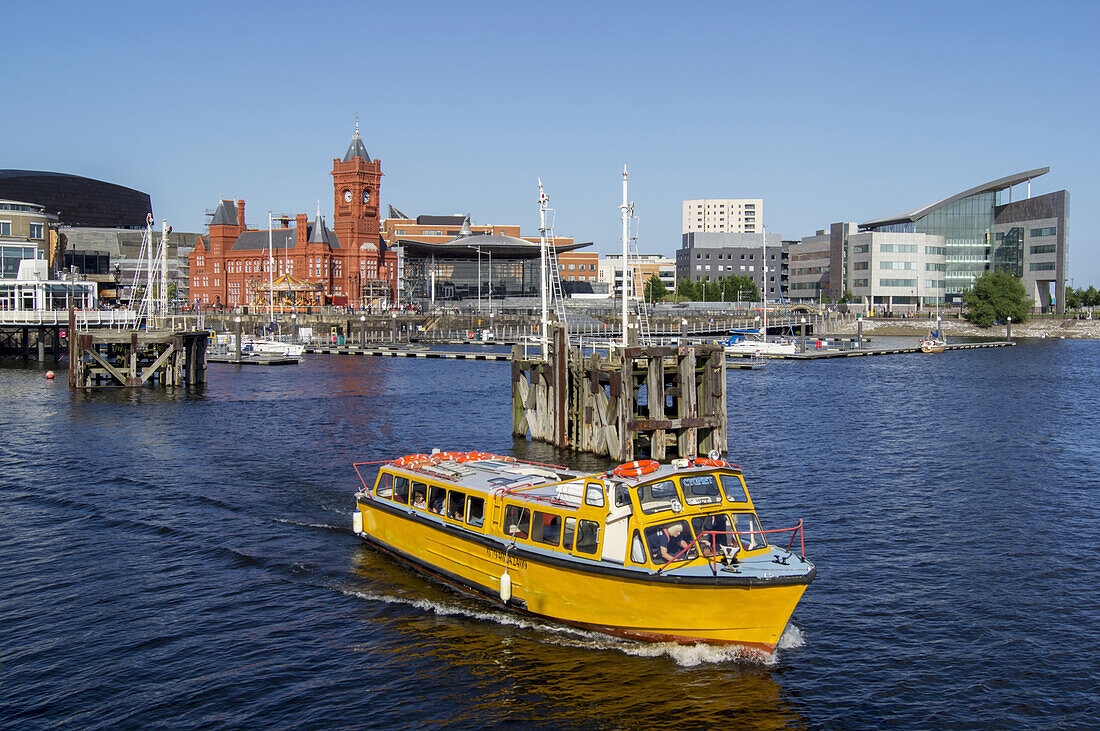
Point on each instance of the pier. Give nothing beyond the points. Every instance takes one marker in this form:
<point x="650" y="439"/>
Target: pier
<point x="136" y="358"/>
<point x="606" y="405"/>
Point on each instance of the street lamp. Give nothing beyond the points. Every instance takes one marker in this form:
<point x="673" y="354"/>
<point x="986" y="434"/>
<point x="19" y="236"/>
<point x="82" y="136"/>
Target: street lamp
<point x="803" y="334"/>
<point x="362" y="329"/>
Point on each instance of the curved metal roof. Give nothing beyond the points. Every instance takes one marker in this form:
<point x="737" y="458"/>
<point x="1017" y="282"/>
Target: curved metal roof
<point x="994" y="185"/>
<point x="498" y="244"/>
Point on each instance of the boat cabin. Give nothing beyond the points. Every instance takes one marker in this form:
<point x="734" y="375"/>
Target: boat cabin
<point x="656" y="517"/>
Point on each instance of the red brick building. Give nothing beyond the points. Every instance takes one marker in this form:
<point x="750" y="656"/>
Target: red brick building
<point x="347" y="264"/>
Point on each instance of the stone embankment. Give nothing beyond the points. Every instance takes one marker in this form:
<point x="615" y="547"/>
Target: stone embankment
<point x="1036" y="328"/>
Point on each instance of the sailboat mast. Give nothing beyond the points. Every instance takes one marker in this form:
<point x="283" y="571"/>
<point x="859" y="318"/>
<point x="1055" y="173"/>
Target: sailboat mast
<point x="543" y="201"/>
<point x="764" y="235"/>
<point x="270" y="271"/>
<point x="625" y="208"/>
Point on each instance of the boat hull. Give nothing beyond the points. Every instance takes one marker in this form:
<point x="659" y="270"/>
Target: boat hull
<point x="606" y="598"/>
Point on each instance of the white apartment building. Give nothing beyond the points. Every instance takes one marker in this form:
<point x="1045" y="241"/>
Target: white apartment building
<point x="724" y="215"/>
<point x="897" y="271"/>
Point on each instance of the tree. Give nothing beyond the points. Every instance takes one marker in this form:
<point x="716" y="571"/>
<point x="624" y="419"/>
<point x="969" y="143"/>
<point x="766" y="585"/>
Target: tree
<point x="687" y="290"/>
<point x="845" y="298"/>
<point x="1090" y="297"/>
<point x="655" y="289"/>
<point x="1073" y="298"/>
<point x="740" y="288"/>
<point x="994" y="297"/>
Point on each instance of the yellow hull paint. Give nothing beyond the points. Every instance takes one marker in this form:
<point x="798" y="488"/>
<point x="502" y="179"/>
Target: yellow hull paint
<point x="644" y="608"/>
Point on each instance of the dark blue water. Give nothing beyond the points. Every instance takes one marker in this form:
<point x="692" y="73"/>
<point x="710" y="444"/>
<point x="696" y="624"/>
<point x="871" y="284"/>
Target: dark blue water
<point x="182" y="560"/>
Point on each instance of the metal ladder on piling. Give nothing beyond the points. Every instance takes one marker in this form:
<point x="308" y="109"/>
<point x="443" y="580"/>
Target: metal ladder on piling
<point x="557" y="292"/>
<point x="645" y="330"/>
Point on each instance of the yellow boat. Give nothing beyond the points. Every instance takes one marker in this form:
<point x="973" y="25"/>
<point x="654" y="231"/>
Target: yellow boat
<point x="653" y="552"/>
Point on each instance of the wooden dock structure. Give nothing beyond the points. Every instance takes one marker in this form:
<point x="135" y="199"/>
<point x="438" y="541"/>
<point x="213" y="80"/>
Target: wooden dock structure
<point x="861" y="352"/>
<point x="661" y="402"/>
<point x="135" y="358"/>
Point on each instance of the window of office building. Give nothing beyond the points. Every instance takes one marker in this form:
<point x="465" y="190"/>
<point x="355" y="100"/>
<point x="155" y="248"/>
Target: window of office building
<point x="1042" y="266"/>
<point x="1049" y="231"/>
<point x="36" y="231"/>
<point x="897" y="283"/>
<point x="1043" y="249"/>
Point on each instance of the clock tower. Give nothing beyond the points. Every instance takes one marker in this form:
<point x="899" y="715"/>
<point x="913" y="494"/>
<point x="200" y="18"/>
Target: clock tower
<point x="356" y="221"/>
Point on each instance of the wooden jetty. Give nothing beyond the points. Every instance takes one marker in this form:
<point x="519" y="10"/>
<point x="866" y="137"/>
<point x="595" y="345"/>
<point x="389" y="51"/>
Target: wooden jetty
<point x="136" y="358"/>
<point x="858" y="353"/>
<point x="399" y="353"/>
<point x="664" y="402"/>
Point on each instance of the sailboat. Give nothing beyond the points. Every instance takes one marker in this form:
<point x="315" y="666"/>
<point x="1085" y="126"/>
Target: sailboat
<point x="755" y="342"/>
<point x="935" y="342"/>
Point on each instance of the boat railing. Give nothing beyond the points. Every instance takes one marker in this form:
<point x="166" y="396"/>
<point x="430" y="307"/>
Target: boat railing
<point x="712" y="535"/>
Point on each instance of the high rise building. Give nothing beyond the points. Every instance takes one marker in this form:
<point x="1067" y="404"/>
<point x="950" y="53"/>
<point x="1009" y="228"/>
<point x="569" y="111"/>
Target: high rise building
<point x="723" y="215"/>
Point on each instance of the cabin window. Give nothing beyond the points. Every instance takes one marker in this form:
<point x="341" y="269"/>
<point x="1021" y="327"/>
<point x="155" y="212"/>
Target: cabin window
<point x="456" y="501"/>
<point x="547" y="528"/>
<point x="588" y="536"/>
<point x="436" y="496"/>
<point x="657" y="496"/>
<point x="419" y="495"/>
<point x="567" y="534"/>
<point x="637" y="548"/>
<point x="748" y="530"/>
<point x="715" y="533"/>
<point x="475" y="511"/>
<point x="401" y="489"/>
<point x="700" y="490"/>
<point x="384" y="488"/>
<point x="734" y="488"/>
<point x="593" y="494"/>
<point x="517" y="521"/>
<point x="670" y="541"/>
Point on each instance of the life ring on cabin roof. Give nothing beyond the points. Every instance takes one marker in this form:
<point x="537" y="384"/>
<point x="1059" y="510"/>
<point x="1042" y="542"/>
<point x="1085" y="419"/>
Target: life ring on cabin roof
<point x="474" y="457"/>
<point x="708" y="462"/>
<point x="447" y="456"/>
<point x="411" y="459"/>
<point x="636" y="469"/>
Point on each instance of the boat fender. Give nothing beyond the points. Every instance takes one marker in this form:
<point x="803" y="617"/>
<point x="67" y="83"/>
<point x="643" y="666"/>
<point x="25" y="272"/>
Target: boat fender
<point x="357" y="522"/>
<point x="505" y="587"/>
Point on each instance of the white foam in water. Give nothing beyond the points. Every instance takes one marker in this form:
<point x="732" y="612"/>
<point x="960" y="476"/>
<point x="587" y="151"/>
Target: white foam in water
<point x="792" y="638"/>
<point x="565" y="636"/>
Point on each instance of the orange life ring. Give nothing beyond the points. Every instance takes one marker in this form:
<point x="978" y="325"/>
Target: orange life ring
<point x="447" y="456"/>
<point x="708" y="462"/>
<point x="636" y="469"/>
<point x="410" y="459"/>
<point x="474" y="457"/>
<point x="500" y="457"/>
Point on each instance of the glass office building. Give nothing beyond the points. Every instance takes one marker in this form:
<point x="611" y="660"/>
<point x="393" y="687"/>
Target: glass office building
<point x="967" y="222"/>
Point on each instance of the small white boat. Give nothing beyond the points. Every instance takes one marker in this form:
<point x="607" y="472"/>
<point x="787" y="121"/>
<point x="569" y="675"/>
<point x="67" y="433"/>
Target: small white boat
<point x="751" y="342"/>
<point x="932" y="345"/>
<point x="271" y="347"/>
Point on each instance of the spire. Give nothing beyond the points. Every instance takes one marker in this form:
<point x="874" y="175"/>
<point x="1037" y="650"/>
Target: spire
<point x="356" y="148"/>
<point x="466" y="230"/>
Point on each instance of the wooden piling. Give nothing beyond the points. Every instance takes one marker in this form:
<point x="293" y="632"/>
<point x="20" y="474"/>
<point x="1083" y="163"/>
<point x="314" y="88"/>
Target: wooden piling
<point x="595" y="404"/>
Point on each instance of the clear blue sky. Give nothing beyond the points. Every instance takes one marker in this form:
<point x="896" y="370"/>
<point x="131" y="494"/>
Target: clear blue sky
<point x="828" y="111"/>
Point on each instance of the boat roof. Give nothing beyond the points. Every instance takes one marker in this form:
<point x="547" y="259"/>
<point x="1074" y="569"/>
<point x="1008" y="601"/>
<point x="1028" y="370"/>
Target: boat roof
<point x="529" y="481"/>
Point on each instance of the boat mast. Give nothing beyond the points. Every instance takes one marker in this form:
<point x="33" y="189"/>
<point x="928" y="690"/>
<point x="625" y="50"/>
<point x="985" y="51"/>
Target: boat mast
<point x="270" y="272"/>
<point x="627" y="210"/>
<point x="544" y="200"/>
<point x="764" y="235"/>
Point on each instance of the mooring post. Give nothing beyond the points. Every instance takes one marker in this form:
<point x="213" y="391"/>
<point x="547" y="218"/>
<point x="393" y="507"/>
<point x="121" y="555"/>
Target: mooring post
<point x="72" y="347"/>
<point x="859" y="332"/>
<point x="1008" y="329"/>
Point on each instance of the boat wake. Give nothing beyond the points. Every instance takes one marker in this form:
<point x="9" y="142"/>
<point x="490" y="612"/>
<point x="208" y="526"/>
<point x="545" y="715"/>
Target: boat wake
<point x="321" y="526"/>
<point x="566" y="636"/>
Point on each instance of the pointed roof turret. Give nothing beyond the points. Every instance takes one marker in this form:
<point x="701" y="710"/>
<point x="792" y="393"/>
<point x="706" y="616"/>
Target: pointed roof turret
<point x="466" y="230"/>
<point x="356" y="148"/>
<point x="318" y="232"/>
<point x="225" y="214"/>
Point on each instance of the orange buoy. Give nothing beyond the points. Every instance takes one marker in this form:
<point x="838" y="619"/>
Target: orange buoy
<point x="49" y="375"/>
<point x="636" y="468"/>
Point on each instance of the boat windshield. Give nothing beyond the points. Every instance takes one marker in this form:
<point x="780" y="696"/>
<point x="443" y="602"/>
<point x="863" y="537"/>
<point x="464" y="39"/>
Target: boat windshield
<point x="657" y="496"/>
<point x="734" y="488"/>
<point x="700" y="489"/>
<point x="749" y="532"/>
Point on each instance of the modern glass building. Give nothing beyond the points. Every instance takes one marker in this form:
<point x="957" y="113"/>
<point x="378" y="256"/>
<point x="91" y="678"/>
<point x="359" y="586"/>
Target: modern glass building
<point x="970" y="223"/>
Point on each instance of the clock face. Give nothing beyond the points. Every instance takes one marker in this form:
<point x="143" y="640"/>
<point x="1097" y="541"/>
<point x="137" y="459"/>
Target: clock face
<point x="366" y="196"/>
<point x="347" y="196"/>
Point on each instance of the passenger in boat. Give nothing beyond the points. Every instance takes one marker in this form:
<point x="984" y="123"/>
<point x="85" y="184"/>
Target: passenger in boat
<point x="667" y="542"/>
<point x="418" y="501"/>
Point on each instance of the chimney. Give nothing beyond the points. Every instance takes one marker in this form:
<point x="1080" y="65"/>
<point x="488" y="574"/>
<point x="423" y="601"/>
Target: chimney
<point x="301" y="221"/>
<point x="240" y="214"/>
